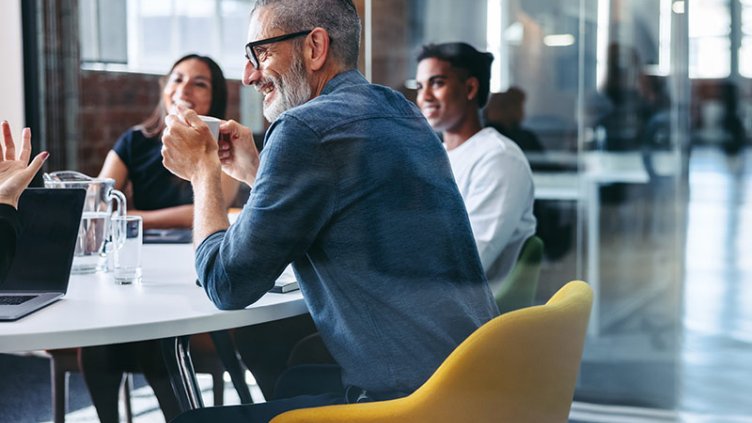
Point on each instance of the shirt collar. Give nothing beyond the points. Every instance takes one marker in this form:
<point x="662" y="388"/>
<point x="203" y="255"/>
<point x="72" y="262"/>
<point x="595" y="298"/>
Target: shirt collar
<point x="346" y="78"/>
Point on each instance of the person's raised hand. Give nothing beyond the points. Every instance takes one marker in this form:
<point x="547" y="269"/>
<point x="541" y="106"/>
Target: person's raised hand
<point x="188" y="147"/>
<point x="237" y="152"/>
<point x="15" y="170"/>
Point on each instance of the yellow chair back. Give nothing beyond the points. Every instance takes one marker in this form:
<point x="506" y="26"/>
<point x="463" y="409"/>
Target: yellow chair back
<point x="519" y="367"/>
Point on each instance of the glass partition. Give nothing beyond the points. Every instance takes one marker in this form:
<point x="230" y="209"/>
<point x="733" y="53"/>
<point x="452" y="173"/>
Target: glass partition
<point x="607" y="95"/>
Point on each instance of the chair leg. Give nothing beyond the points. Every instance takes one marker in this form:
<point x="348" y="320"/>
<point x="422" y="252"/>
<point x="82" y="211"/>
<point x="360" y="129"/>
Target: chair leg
<point x="228" y="354"/>
<point x="218" y="387"/>
<point x="127" y="386"/>
<point x="62" y="361"/>
<point x="59" y="391"/>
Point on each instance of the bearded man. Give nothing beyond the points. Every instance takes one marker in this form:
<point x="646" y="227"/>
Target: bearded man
<point x="355" y="190"/>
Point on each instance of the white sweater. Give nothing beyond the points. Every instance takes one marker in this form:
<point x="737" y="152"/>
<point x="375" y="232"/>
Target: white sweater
<point x="495" y="180"/>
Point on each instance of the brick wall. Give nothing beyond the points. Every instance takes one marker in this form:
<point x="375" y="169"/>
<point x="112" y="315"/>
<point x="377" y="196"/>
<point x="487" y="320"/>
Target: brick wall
<point x="393" y="61"/>
<point x="111" y="102"/>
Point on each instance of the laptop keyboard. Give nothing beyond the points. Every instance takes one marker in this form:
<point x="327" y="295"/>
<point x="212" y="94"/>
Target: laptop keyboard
<point x="15" y="299"/>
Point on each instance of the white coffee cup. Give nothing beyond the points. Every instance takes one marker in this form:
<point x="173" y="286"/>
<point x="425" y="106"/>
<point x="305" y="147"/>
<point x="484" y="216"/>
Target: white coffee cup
<point x="213" y="124"/>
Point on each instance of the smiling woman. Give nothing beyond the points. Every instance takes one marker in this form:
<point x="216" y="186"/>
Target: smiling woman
<point x="162" y="199"/>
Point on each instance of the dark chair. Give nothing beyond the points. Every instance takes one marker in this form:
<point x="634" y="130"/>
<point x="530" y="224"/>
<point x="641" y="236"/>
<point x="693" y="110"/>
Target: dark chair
<point x="519" y="287"/>
<point x="310" y="350"/>
<point x="205" y="360"/>
<point x="62" y="362"/>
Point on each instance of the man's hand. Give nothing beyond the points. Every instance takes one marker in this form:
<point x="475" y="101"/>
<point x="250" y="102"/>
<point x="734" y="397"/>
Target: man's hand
<point x="188" y="149"/>
<point x="190" y="152"/>
<point x="15" y="172"/>
<point x="237" y="152"/>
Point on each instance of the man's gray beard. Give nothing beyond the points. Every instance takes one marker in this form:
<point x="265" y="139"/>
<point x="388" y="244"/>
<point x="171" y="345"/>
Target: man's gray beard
<point x="292" y="90"/>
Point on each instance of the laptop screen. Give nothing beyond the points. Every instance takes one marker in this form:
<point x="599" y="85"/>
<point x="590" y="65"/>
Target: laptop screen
<point x="44" y="250"/>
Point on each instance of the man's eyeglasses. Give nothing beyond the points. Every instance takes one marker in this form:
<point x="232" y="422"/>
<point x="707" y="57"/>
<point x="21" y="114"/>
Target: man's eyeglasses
<point x="256" y="54"/>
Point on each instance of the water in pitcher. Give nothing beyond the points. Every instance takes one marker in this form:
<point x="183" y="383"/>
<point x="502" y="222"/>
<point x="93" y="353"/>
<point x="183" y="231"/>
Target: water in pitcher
<point x="102" y="202"/>
<point x="90" y="246"/>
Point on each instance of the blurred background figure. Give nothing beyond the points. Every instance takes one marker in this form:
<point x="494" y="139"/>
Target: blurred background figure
<point x="732" y="124"/>
<point x="616" y="114"/>
<point x="505" y="112"/>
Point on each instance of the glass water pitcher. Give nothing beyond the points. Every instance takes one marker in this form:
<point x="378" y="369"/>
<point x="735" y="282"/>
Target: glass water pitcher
<point x="102" y="202"/>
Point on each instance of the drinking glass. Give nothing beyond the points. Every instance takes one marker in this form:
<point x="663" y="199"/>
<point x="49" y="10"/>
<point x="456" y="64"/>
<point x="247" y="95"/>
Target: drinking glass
<point x="128" y="235"/>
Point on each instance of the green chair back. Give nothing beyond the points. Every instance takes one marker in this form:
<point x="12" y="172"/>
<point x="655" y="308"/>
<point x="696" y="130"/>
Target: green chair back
<point x="519" y="287"/>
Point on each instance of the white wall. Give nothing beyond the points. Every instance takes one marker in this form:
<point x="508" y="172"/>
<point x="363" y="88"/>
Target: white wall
<point x="447" y="21"/>
<point x="11" y="70"/>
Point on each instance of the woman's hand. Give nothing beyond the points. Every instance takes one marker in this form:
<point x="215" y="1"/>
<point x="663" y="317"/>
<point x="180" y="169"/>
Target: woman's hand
<point x="15" y="171"/>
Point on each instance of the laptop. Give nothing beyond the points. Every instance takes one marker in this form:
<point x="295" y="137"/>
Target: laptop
<point x="41" y="267"/>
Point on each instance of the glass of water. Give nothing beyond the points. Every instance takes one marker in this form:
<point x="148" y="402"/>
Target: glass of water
<point x="128" y="235"/>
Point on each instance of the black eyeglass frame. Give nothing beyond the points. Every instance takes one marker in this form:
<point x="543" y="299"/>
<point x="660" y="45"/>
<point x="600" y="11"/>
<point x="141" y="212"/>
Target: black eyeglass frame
<point x="250" y="53"/>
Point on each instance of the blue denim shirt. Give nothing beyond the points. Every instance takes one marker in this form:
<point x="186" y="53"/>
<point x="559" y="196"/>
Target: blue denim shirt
<point x="355" y="189"/>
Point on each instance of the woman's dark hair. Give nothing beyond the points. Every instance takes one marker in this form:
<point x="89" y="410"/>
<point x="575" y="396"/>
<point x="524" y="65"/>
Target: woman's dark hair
<point x="154" y="124"/>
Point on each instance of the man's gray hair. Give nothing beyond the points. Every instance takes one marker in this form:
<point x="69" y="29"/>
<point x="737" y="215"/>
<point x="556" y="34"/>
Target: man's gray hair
<point x="338" y="17"/>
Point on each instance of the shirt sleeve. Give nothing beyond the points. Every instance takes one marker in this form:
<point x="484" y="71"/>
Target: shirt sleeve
<point x="501" y="192"/>
<point x="124" y="146"/>
<point x="9" y="228"/>
<point x="290" y="203"/>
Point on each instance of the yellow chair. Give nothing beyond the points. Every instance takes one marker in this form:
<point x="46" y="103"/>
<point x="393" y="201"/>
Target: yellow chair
<point x="519" y="287"/>
<point x="519" y="367"/>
